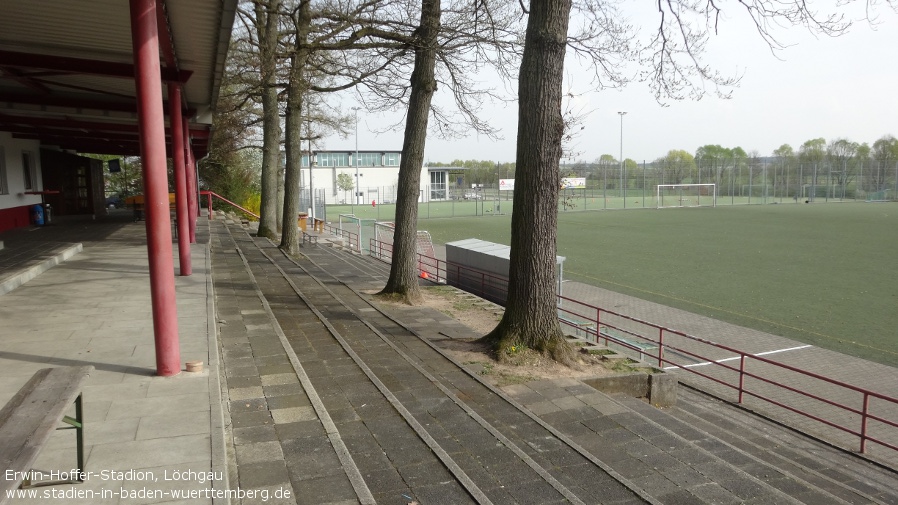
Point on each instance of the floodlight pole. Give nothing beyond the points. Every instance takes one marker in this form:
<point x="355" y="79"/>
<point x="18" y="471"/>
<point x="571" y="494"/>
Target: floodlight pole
<point x="622" y="114"/>
<point x="356" y="162"/>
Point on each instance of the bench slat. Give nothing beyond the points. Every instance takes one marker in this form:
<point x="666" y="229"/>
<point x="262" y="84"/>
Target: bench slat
<point x="33" y="414"/>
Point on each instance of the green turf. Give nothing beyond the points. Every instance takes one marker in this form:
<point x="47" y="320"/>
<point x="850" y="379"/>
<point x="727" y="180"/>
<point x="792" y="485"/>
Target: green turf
<point x="821" y="274"/>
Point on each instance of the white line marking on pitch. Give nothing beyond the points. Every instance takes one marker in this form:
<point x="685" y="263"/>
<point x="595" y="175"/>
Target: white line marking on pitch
<point x="739" y="357"/>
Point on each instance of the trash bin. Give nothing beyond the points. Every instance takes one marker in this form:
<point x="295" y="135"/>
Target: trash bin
<point x="302" y="219"/>
<point x="37" y="215"/>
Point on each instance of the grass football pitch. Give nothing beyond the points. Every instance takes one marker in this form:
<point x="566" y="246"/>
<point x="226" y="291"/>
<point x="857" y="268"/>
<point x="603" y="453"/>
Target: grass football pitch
<point x="821" y="274"/>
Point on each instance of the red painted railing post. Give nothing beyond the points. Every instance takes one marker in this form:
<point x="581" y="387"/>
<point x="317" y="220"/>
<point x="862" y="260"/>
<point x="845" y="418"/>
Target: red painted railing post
<point x="741" y="376"/>
<point x="864" y="418"/>
<point x="148" y="83"/>
<point x="209" y="196"/>
<point x="660" y="347"/>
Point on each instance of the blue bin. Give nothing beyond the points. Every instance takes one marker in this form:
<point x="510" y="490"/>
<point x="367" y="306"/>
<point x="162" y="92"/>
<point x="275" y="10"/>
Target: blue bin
<point x="37" y="215"/>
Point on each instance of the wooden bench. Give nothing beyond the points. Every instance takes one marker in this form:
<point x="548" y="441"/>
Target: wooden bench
<point x="30" y="418"/>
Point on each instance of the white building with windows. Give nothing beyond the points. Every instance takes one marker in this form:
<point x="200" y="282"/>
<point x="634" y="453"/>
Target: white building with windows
<point x="20" y="180"/>
<point x="374" y="177"/>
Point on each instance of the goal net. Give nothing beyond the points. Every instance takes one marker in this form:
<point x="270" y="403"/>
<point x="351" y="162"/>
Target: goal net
<point x="358" y="230"/>
<point x="382" y="249"/>
<point x="686" y="195"/>
<point x="878" y="196"/>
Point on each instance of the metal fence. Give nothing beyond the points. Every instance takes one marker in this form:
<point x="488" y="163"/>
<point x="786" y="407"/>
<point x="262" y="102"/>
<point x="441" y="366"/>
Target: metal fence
<point x="847" y="415"/>
<point x="739" y="182"/>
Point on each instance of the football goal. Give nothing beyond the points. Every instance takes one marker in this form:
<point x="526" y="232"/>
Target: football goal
<point x="362" y="228"/>
<point x="878" y="196"/>
<point x="382" y="249"/>
<point x="686" y="195"/>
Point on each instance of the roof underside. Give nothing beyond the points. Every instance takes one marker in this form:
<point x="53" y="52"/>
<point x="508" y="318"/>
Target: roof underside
<point x="67" y="78"/>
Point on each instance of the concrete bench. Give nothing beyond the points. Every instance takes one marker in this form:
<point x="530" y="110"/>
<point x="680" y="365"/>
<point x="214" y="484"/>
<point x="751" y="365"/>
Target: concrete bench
<point x="616" y="336"/>
<point x="30" y="418"/>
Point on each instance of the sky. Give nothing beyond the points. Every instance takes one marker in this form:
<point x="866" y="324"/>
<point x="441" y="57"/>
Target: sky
<point x="818" y="86"/>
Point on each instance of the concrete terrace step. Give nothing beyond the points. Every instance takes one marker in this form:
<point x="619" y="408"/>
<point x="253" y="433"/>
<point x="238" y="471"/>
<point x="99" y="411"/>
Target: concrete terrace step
<point x="20" y="265"/>
<point x="840" y="473"/>
<point x="710" y="452"/>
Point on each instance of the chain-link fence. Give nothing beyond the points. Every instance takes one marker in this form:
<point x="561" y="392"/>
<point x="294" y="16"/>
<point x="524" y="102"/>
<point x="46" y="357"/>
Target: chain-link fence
<point x="739" y="182"/>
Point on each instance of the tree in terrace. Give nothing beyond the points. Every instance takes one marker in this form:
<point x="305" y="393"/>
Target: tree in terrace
<point x="885" y="159"/>
<point x="674" y="69"/>
<point x="530" y="319"/>
<point x="327" y="53"/>
<point x="449" y="43"/>
<point x="266" y="20"/>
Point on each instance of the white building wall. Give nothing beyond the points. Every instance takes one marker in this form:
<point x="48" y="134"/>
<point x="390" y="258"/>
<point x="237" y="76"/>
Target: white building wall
<point x="374" y="183"/>
<point x="13" y="180"/>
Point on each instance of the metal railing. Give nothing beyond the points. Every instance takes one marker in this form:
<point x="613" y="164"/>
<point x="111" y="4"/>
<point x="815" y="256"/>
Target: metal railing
<point x="352" y="238"/>
<point x="860" y="413"/>
<point x="209" y="195"/>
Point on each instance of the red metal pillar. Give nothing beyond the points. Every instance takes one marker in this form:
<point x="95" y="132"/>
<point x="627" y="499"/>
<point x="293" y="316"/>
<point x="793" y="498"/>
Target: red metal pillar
<point x="148" y="81"/>
<point x="192" y="197"/>
<point x="179" y="163"/>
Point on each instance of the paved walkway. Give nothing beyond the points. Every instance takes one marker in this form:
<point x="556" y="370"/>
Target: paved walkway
<point x="289" y="416"/>
<point x="148" y="439"/>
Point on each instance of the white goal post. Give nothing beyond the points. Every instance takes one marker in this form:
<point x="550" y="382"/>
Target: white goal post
<point x="686" y="195"/>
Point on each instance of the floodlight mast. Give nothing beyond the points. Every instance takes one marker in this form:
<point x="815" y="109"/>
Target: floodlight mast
<point x="356" y="162"/>
<point x="622" y="114"/>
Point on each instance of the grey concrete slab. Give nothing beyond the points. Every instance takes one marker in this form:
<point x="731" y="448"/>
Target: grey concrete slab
<point x="95" y="310"/>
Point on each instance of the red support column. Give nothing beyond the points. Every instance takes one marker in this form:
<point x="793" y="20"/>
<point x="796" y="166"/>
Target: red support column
<point x="192" y="197"/>
<point x="179" y="162"/>
<point x="148" y="81"/>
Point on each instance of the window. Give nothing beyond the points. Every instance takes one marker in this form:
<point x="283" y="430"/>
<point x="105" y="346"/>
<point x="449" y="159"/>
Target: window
<point x="369" y="159"/>
<point x="28" y="171"/>
<point x="332" y="159"/>
<point x="4" y="189"/>
<point x="391" y="160"/>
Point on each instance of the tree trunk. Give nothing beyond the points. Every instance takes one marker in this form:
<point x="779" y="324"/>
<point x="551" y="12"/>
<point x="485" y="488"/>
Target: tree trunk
<point x="530" y="312"/>
<point x="280" y="198"/>
<point x="403" y="281"/>
<point x="293" y="123"/>
<point x="267" y="29"/>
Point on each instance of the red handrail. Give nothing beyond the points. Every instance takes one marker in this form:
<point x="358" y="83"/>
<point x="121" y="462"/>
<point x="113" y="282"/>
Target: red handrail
<point x="353" y="238"/>
<point x="210" y="194"/>
<point x="576" y="313"/>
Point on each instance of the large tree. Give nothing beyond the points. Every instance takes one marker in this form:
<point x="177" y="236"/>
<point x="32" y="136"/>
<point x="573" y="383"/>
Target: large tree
<point x="530" y="317"/>
<point x="449" y="43"/>
<point x="674" y="69"/>
<point x="267" y="15"/>
<point x="403" y="281"/>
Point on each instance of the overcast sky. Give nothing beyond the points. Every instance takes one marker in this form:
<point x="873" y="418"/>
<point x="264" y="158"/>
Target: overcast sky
<point x="843" y="87"/>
